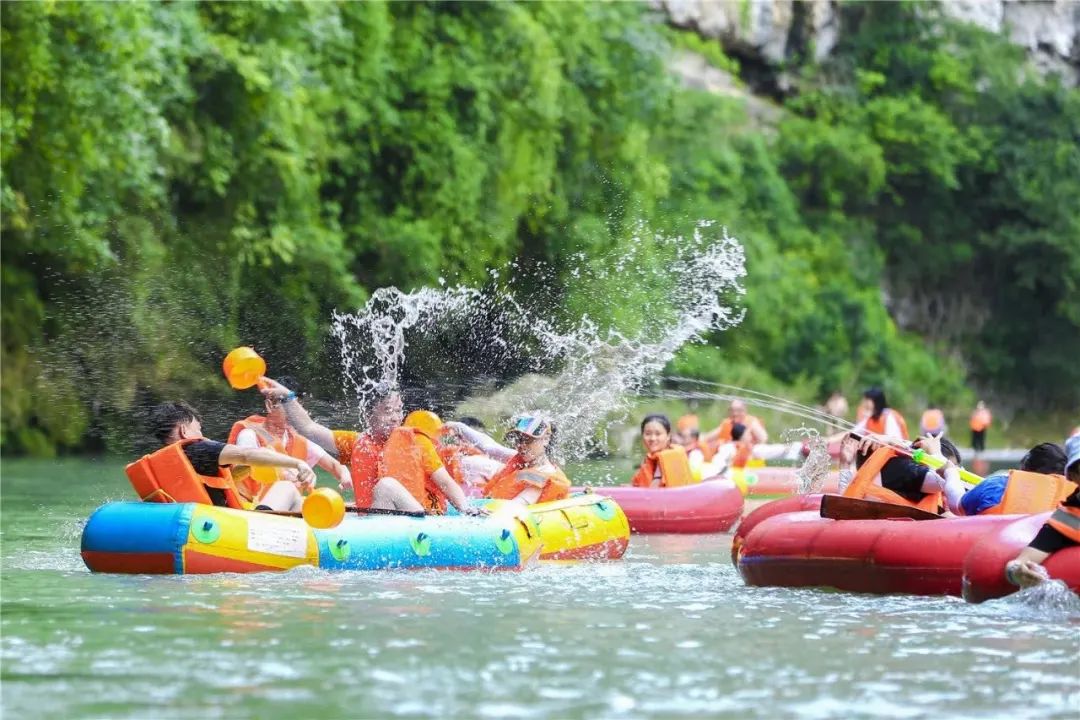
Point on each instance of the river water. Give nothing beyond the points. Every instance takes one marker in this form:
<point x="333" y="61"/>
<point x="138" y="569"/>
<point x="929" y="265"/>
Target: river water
<point x="670" y="631"/>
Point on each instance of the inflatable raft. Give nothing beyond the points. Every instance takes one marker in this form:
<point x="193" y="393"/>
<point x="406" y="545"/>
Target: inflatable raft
<point x="584" y="526"/>
<point x="707" y="507"/>
<point x="795" y="503"/>
<point x="802" y="549"/>
<point x="776" y="482"/>
<point x="190" y="538"/>
<point x="984" y="565"/>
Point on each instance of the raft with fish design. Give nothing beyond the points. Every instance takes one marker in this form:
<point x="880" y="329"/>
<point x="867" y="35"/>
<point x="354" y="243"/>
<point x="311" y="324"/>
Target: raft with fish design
<point x="707" y="507"/>
<point x="584" y="526"/>
<point x="191" y="538"/>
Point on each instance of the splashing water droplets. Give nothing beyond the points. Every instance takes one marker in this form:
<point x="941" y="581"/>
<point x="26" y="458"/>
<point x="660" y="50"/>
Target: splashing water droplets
<point x="592" y="369"/>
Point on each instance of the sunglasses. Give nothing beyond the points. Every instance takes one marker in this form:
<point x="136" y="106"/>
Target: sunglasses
<point x="531" y="426"/>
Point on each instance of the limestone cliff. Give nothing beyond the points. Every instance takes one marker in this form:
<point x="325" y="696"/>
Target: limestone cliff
<point x="767" y="32"/>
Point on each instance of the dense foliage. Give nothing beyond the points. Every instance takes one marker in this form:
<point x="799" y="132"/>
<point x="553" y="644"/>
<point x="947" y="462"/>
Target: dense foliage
<point x="180" y="178"/>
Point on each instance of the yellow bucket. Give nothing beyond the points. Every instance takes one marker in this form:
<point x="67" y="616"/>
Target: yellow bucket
<point x="243" y="368"/>
<point x="324" y="508"/>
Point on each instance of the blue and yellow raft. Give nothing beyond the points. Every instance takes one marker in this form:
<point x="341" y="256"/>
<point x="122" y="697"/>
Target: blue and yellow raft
<point x="189" y="538"/>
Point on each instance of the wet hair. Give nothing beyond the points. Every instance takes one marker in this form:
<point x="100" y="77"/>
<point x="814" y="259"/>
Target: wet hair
<point x="165" y="417"/>
<point x="1046" y="458"/>
<point x="737" y="431"/>
<point x="378" y="399"/>
<point x="656" y="418"/>
<point x="877" y="396"/>
<point x="470" y="421"/>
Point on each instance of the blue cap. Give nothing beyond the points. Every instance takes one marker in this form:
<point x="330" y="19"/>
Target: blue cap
<point x="1072" y="449"/>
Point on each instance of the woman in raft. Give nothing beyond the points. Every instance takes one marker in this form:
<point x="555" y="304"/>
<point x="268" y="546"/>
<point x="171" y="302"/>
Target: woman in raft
<point x="878" y="418"/>
<point x="665" y="464"/>
<point x="529" y="475"/>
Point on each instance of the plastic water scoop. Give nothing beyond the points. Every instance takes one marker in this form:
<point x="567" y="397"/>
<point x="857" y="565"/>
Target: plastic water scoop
<point x="324" y="508"/>
<point x="244" y="368"/>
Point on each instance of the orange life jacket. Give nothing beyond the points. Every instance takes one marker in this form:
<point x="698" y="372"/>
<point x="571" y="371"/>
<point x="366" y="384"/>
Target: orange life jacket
<point x="167" y="475"/>
<point x="743" y="451"/>
<point x="1066" y="520"/>
<point x="877" y="425"/>
<point x="1027" y="493"/>
<point x="400" y="458"/>
<point x="674" y="469"/>
<point x="932" y="421"/>
<point x="515" y="478"/>
<point x="725" y="428"/>
<point x="707" y="453"/>
<point x="451" y="452"/>
<point x="980" y="420"/>
<point x="296" y="447"/>
<point x="863" y="486"/>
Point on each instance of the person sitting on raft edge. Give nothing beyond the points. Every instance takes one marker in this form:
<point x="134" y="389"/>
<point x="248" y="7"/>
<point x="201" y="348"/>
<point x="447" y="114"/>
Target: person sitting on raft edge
<point x="529" y="475"/>
<point x="273" y="431"/>
<point x="665" y="465"/>
<point x="1061" y="531"/>
<point x="393" y="467"/>
<point x="205" y="463"/>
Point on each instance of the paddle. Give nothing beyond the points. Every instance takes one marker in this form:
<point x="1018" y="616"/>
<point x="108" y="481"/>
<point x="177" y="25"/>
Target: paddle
<point x="838" y="507"/>
<point x="354" y="510"/>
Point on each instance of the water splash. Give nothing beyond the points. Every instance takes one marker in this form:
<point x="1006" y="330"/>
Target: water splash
<point x="812" y="474"/>
<point x="594" y="369"/>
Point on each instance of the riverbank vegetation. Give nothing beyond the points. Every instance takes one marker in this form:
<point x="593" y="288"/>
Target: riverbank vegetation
<point x="182" y="178"/>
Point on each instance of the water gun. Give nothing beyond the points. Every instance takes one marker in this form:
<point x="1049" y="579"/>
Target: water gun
<point x="923" y="458"/>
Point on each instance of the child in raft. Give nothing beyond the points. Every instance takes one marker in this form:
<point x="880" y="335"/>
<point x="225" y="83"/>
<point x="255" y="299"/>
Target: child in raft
<point x="529" y="475"/>
<point x="656" y="438"/>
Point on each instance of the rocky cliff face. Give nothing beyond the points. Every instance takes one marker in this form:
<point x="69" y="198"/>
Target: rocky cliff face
<point x="769" y="31"/>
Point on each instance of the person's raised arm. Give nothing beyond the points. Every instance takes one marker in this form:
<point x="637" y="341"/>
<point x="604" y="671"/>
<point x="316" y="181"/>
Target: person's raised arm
<point x="483" y="442"/>
<point x="236" y="455"/>
<point x="757" y="431"/>
<point x="339" y="471"/>
<point x="298" y="417"/>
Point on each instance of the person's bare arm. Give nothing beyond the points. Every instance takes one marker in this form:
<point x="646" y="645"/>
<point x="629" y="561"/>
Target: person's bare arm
<point x="298" y="417"/>
<point x="454" y="493"/>
<point x="236" y="455"/>
<point x="483" y="442"/>
<point x="757" y="430"/>
<point x="1026" y="568"/>
<point x="339" y="471"/>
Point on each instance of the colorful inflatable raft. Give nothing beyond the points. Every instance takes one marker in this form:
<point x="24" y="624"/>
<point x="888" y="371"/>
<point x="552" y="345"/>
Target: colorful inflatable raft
<point x="802" y="549"/>
<point x="707" y="507"/>
<point x="189" y="538"/>
<point x="584" y="526"/>
<point x="984" y="565"/>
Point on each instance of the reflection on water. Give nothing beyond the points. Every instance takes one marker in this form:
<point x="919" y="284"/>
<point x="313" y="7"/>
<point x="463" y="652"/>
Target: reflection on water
<point x="669" y="632"/>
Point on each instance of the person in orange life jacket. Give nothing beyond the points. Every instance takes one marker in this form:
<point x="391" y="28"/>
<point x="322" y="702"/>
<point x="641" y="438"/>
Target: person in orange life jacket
<point x="878" y="418"/>
<point x="1045" y="459"/>
<point x="529" y="450"/>
<point x="979" y="424"/>
<point x="737" y="414"/>
<point x="176" y="422"/>
<point x="731" y="454"/>
<point x="905" y="477"/>
<point x="932" y="421"/>
<point x="1061" y="531"/>
<point x="529" y="475"/>
<point x="364" y="454"/>
<point x="466" y="463"/>
<point x="656" y="438"/>
<point x="272" y="430"/>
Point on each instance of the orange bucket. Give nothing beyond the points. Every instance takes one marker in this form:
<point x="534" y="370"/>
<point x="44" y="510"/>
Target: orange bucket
<point x="243" y="368"/>
<point x="324" y="508"/>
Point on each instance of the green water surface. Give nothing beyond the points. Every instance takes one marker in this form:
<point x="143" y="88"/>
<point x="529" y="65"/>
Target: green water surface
<point x="668" y="632"/>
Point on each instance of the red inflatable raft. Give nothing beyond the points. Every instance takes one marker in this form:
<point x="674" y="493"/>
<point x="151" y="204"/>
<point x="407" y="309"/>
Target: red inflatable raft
<point x="802" y="549"/>
<point x="778" y="482"/>
<point x="795" y="503"/>
<point x="707" y="507"/>
<point x="984" y="566"/>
